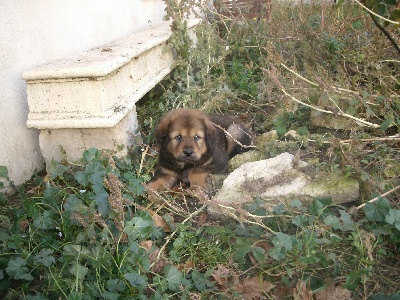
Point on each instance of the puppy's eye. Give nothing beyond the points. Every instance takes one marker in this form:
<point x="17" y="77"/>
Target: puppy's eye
<point x="178" y="137"/>
<point x="196" y="137"/>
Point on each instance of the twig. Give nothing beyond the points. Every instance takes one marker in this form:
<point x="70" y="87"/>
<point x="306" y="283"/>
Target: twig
<point x="386" y="33"/>
<point x="272" y="74"/>
<point x="380" y="196"/>
<point x="375" y="14"/>
<point x="388" y="138"/>
<point x="236" y="141"/>
<point x="316" y="84"/>
<point x="144" y="153"/>
<point x="193" y="214"/>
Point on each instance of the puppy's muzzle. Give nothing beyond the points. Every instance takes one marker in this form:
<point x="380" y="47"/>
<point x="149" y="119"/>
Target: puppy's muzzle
<point x="188" y="151"/>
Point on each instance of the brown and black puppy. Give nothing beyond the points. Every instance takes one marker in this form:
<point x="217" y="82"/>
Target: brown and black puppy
<point x="194" y="145"/>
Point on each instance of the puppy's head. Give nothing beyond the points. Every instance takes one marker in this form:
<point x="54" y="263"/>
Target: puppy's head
<point x="186" y="134"/>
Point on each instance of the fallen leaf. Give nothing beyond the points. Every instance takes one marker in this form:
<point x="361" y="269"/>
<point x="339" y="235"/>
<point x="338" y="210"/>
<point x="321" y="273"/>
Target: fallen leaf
<point x="221" y="275"/>
<point x="253" y="287"/>
<point x="302" y="291"/>
<point x="203" y="217"/>
<point x="160" y="222"/>
<point x="333" y="292"/>
<point x="186" y="267"/>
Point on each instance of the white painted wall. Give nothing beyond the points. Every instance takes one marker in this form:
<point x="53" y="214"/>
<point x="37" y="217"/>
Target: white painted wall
<point x="35" y="32"/>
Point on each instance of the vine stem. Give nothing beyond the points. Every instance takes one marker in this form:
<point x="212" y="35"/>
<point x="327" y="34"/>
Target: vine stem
<point x="193" y="214"/>
<point x="378" y="197"/>
<point x="375" y="14"/>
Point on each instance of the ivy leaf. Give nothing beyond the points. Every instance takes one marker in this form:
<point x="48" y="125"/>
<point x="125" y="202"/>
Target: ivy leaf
<point x="354" y="279"/>
<point x="136" y="280"/>
<point x="44" y="221"/>
<point x="242" y="248"/>
<point x="91" y="154"/>
<point x="82" y="178"/>
<point x="316" y="208"/>
<point x="78" y="270"/>
<point x="393" y="218"/>
<point x="116" y="285"/>
<point x="296" y="203"/>
<point x="102" y="204"/>
<point x="282" y="240"/>
<point x="141" y="227"/>
<point x="18" y="270"/>
<point x="385" y="124"/>
<point x="300" y="221"/>
<point x="3" y="172"/>
<point x="134" y="184"/>
<point x="201" y="282"/>
<point x="75" y="250"/>
<point x="45" y="257"/>
<point x="333" y="221"/>
<point x="56" y="169"/>
<point x="173" y="277"/>
<point x="74" y="204"/>
<point x="377" y="210"/>
<point x="258" y="253"/>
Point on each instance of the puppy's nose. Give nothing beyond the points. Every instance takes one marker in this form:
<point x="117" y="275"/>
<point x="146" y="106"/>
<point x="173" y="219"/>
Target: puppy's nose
<point x="188" y="151"/>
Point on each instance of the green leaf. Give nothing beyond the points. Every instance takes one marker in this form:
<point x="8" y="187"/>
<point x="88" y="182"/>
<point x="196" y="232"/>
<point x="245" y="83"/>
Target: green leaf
<point x="282" y="240"/>
<point x="82" y="178"/>
<point x="377" y="210"/>
<point x="384" y="297"/>
<point x="396" y="15"/>
<point x="136" y="280"/>
<point x="103" y="206"/>
<point x="316" y="208"/>
<point x="18" y="270"/>
<point x="357" y="25"/>
<point x="91" y="154"/>
<point x="111" y="296"/>
<point x="296" y="203"/>
<point x="333" y="221"/>
<point x="393" y="218"/>
<point x="380" y="9"/>
<point x="300" y="221"/>
<point x="385" y="124"/>
<point x="174" y="277"/>
<point x="242" y="248"/>
<point x="116" y="285"/>
<point x="141" y="227"/>
<point x="56" y="169"/>
<point x="277" y="253"/>
<point x="354" y="279"/>
<point x="75" y="250"/>
<point x="201" y="282"/>
<point x="74" y="204"/>
<point x="44" y="221"/>
<point x="45" y="257"/>
<point x="3" y="172"/>
<point x="258" y="253"/>
<point x="390" y="2"/>
<point x="303" y="131"/>
<point x="78" y="270"/>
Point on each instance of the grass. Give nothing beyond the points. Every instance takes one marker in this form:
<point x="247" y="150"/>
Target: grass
<point x="88" y="230"/>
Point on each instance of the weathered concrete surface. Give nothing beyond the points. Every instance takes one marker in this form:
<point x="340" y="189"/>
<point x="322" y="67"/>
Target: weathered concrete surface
<point x="280" y="180"/>
<point x="88" y="100"/>
<point x="69" y="143"/>
<point x="99" y="87"/>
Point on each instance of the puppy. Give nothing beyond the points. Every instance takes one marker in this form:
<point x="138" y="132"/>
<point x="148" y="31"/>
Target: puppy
<point x="194" y="145"/>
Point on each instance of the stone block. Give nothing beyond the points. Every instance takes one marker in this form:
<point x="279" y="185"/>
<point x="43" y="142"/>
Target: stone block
<point x="89" y="100"/>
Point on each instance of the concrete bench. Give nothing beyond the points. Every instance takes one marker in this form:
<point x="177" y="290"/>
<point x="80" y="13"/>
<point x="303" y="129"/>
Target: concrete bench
<point x="89" y="100"/>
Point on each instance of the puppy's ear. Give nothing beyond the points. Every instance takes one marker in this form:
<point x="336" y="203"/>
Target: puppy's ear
<point x="162" y="132"/>
<point x="211" y="131"/>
